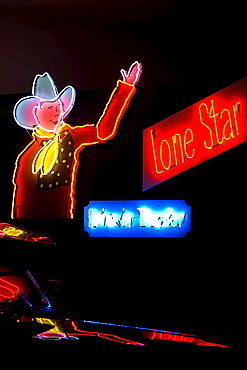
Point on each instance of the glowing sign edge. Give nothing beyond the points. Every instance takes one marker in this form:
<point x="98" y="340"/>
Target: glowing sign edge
<point x="149" y="232"/>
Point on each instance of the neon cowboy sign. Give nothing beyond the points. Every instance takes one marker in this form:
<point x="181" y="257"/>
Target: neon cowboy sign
<point x="45" y="171"/>
<point x="139" y="218"/>
<point x="197" y="133"/>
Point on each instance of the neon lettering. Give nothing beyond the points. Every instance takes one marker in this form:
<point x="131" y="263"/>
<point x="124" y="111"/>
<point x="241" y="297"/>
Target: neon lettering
<point x="137" y="218"/>
<point x="148" y="218"/>
<point x="105" y="219"/>
<point x="143" y="217"/>
<point x="214" y="116"/>
<point x="227" y="125"/>
<point x="168" y="154"/>
<point x="154" y="153"/>
<point x="210" y="131"/>
<point x="227" y="129"/>
<point x="174" y="141"/>
<point x="162" y="156"/>
<point x="127" y="218"/>
<point x="197" y="133"/>
<point x="188" y="141"/>
<point x="236" y="108"/>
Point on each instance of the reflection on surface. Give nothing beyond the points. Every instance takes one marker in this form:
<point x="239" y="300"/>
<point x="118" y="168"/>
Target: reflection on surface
<point x="26" y="312"/>
<point x="11" y="232"/>
<point x="63" y="329"/>
<point x="19" y="292"/>
<point x="12" y="286"/>
<point x="68" y="329"/>
<point x="181" y="338"/>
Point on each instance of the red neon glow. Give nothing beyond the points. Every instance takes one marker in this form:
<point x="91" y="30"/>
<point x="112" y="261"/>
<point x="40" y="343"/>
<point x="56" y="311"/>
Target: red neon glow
<point x="11" y="286"/>
<point x="7" y="290"/>
<point x="197" y="133"/>
<point x="45" y="171"/>
<point x="107" y="336"/>
<point x="181" y="338"/>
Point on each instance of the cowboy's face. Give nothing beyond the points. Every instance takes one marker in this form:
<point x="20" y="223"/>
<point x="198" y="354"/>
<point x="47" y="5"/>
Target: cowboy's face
<point x="48" y="114"/>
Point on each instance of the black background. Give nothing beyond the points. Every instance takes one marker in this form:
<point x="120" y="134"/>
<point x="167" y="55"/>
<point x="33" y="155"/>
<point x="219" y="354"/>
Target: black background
<point x="198" y="281"/>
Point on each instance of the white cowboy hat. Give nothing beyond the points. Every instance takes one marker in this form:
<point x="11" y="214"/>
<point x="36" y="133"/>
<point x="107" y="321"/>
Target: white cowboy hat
<point x="43" y="89"/>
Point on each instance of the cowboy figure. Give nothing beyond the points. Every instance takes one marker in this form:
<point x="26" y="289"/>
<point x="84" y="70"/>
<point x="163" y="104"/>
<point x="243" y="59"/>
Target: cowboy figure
<point x="45" y="171"/>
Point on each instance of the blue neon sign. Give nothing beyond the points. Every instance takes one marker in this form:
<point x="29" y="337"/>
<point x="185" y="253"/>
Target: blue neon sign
<point x="138" y="218"/>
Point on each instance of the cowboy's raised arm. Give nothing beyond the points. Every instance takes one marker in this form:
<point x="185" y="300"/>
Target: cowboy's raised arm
<point x="108" y="123"/>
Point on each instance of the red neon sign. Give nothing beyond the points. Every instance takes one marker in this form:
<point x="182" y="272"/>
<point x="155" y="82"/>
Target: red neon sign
<point x="197" y="133"/>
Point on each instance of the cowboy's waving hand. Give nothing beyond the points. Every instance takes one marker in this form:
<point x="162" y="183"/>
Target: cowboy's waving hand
<point x="133" y="75"/>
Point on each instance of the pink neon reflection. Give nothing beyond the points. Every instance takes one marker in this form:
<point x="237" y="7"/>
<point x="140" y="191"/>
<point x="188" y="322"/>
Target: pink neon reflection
<point x="51" y="335"/>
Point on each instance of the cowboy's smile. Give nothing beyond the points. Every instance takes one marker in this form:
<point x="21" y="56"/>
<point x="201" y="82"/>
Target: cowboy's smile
<point x="54" y="122"/>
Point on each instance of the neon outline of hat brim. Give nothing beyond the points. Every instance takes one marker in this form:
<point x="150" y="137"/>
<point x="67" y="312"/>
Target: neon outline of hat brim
<point x="34" y="100"/>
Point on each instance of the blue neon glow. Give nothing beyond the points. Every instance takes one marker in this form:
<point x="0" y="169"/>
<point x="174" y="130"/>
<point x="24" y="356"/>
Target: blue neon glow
<point x="138" y="218"/>
<point x="128" y="326"/>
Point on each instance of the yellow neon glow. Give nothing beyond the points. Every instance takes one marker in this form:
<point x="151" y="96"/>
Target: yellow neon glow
<point x="45" y="158"/>
<point x="12" y="231"/>
<point x="186" y="142"/>
<point x="214" y="115"/>
<point x="155" y="159"/>
<point x="236" y="108"/>
<point x="211" y="114"/>
<point x="174" y="141"/>
<point x="42" y="133"/>
<point x="57" y="325"/>
<point x="183" y="149"/>
<point x="211" y="136"/>
<point x="161" y="151"/>
<point x="226" y="124"/>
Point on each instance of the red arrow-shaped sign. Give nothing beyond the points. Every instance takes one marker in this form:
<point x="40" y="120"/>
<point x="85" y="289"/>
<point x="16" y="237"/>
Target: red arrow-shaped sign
<point x="197" y="133"/>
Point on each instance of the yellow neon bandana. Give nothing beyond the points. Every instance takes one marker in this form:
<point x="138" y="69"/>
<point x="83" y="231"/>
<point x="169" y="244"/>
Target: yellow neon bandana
<point x="46" y="156"/>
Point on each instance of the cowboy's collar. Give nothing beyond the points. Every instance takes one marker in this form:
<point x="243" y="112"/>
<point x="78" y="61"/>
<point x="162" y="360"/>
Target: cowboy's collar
<point x="44" y="134"/>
